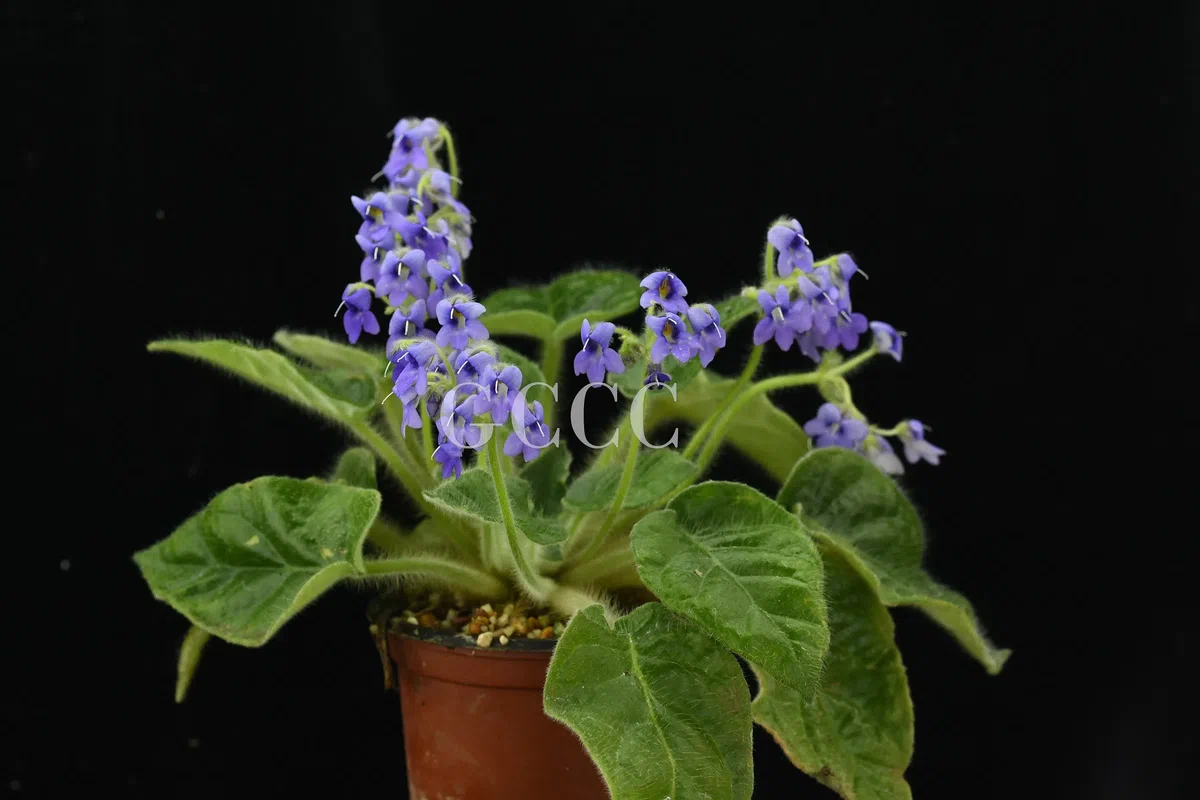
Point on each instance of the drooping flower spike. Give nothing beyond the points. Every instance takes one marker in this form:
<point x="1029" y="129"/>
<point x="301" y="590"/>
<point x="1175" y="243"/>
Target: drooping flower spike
<point x="664" y="290"/>
<point x="597" y="357"/>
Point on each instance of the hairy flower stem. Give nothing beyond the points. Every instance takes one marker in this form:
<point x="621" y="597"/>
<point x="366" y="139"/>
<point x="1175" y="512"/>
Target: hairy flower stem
<point x="407" y="475"/>
<point x="770" y="385"/>
<point x="602" y="535"/>
<point x="458" y="576"/>
<point x="387" y="535"/>
<point x="552" y="356"/>
<point x="536" y="586"/>
<point x="612" y="570"/>
<point x="452" y="158"/>
<point x="698" y="437"/>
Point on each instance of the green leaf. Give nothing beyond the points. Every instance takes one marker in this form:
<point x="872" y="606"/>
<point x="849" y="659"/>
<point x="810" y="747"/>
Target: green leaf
<point x="343" y="395"/>
<point x="848" y="502"/>
<point x="356" y="467"/>
<point x="189" y="660"/>
<point x="655" y="474"/>
<point x="547" y="477"/>
<point x="761" y="431"/>
<point x="328" y="354"/>
<point x="557" y="310"/>
<point x="855" y="735"/>
<point x="661" y="708"/>
<point x="725" y="556"/>
<point x="474" y="496"/>
<point x="260" y="552"/>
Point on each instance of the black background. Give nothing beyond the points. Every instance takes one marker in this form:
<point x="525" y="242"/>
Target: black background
<point x="1014" y="183"/>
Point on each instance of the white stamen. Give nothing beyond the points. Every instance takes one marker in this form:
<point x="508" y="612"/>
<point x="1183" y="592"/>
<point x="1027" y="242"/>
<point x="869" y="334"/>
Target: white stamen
<point x="464" y="366"/>
<point x="844" y="314"/>
<point x="456" y="279"/>
<point x="406" y="324"/>
<point x="434" y="453"/>
<point x="540" y="428"/>
<point x="865" y="275"/>
<point x="453" y="178"/>
<point x="721" y="333"/>
<point x="339" y="308"/>
<point x="377" y="175"/>
<point x="386" y="398"/>
<point x="827" y="297"/>
<point x="375" y="254"/>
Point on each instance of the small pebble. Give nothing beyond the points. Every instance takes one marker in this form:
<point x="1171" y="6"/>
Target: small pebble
<point x="65" y="564"/>
<point x="547" y="632"/>
<point x="485" y="639"/>
<point x="533" y="635"/>
<point x="487" y="608"/>
<point x="503" y="640"/>
<point x="474" y="629"/>
<point x="411" y="620"/>
<point x="503" y="620"/>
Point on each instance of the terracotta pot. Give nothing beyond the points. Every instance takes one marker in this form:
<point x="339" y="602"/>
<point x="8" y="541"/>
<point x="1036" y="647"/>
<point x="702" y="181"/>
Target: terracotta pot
<point x="474" y="725"/>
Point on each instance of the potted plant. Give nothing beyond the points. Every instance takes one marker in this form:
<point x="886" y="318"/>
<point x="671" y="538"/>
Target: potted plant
<point x="582" y="624"/>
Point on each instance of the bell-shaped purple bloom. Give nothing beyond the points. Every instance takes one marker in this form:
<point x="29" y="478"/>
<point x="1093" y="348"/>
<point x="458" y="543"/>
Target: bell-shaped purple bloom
<point x="879" y="451"/>
<point x="373" y="256"/>
<point x="530" y="421"/>
<point x="358" y="316"/>
<point x="788" y="239"/>
<point x="596" y="356"/>
<point x="656" y="379"/>
<point x="460" y="323"/>
<point x="375" y="228"/>
<point x="783" y="320"/>
<point x="448" y="274"/>
<point x="499" y="392"/>
<point x="845" y="332"/>
<point x="830" y="428"/>
<point x="672" y="339"/>
<point x="408" y="147"/>
<point x="916" y="448"/>
<point x="887" y="340"/>
<point x="449" y="455"/>
<point x="845" y="268"/>
<point x="470" y="364"/>
<point x="411" y="416"/>
<point x="408" y="324"/>
<point x="710" y="336"/>
<point x="456" y="423"/>
<point x="400" y="277"/>
<point x="665" y="290"/>
<point x="412" y="368"/>
<point x="419" y="236"/>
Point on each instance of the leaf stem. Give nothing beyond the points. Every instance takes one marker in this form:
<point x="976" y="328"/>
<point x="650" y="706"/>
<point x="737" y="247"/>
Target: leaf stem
<point x="537" y="586"/>
<point x="452" y="158"/>
<point x="747" y="373"/>
<point x="552" y="356"/>
<point x="770" y="385"/>
<point x="386" y="535"/>
<point x="601" y="536"/>
<point x="459" y="576"/>
<point x="614" y="569"/>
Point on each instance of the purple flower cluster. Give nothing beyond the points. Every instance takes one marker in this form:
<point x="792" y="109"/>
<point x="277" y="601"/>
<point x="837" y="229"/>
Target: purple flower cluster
<point x="837" y="427"/>
<point x="679" y="330"/>
<point x="415" y="237"/>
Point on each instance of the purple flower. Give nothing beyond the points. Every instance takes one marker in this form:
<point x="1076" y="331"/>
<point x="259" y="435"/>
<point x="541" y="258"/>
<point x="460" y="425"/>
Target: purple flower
<point x="400" y="277"/>
<point x="358" y="316"/>
<point x="887" y="340"/>
<point x="469" y="365"/>
<point x="831" y="429"/>
<point x="412" y="368"/>
<point x="845" y="332"/>
<point x="419" y="236"/>
<point x="499" y="392"/>
<point x="408" y="324"/>
<point x="673" y="338"/>
<point x="824" y="297"/>
<point x="408" y="147"/>
<point x="706" y="323"/>
<point x="452" y="276"/>
<point x="788" y="239"/>
<point x="915" y="447"/>
<point x="456" y="423"/>
<point x="536" y="436"/>
<point x="665" y="290"/>
<point x="845" y="268"/>
<point x="656" y="379"/>
<point x="368" y="270"/>
<point x="449" y="455"/>
<point x="879" y="451"/>
<point x="783" y="320"/>
<point x="596" y="356"/>
<point x="460" y="323"/>
<point x="411" y="416"/>
<point x="375" y="228"/>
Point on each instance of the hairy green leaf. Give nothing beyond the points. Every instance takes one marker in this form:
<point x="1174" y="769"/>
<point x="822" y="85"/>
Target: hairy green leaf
<point x="761" y="431"/>
<point x="848" y="502"/>
<point x="260" y="552"/>
<point x="343" y="395"/>
<point x="556" y="310"/>
<point x="547" y="478"/>
<point x="329" y="354"/>
<point x="356" y="467"/>
<point x="727" y="557"/>
<point x="661" y="708"/>
<point x="189" y="660"/>
<point x="855" y="735"/>
<point x="474" y="496"/>
<point x="655" y="474"/>
<point x="736" y="308"/>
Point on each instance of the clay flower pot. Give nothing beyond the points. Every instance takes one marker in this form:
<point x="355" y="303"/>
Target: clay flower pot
<point x="474" y="726"/>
